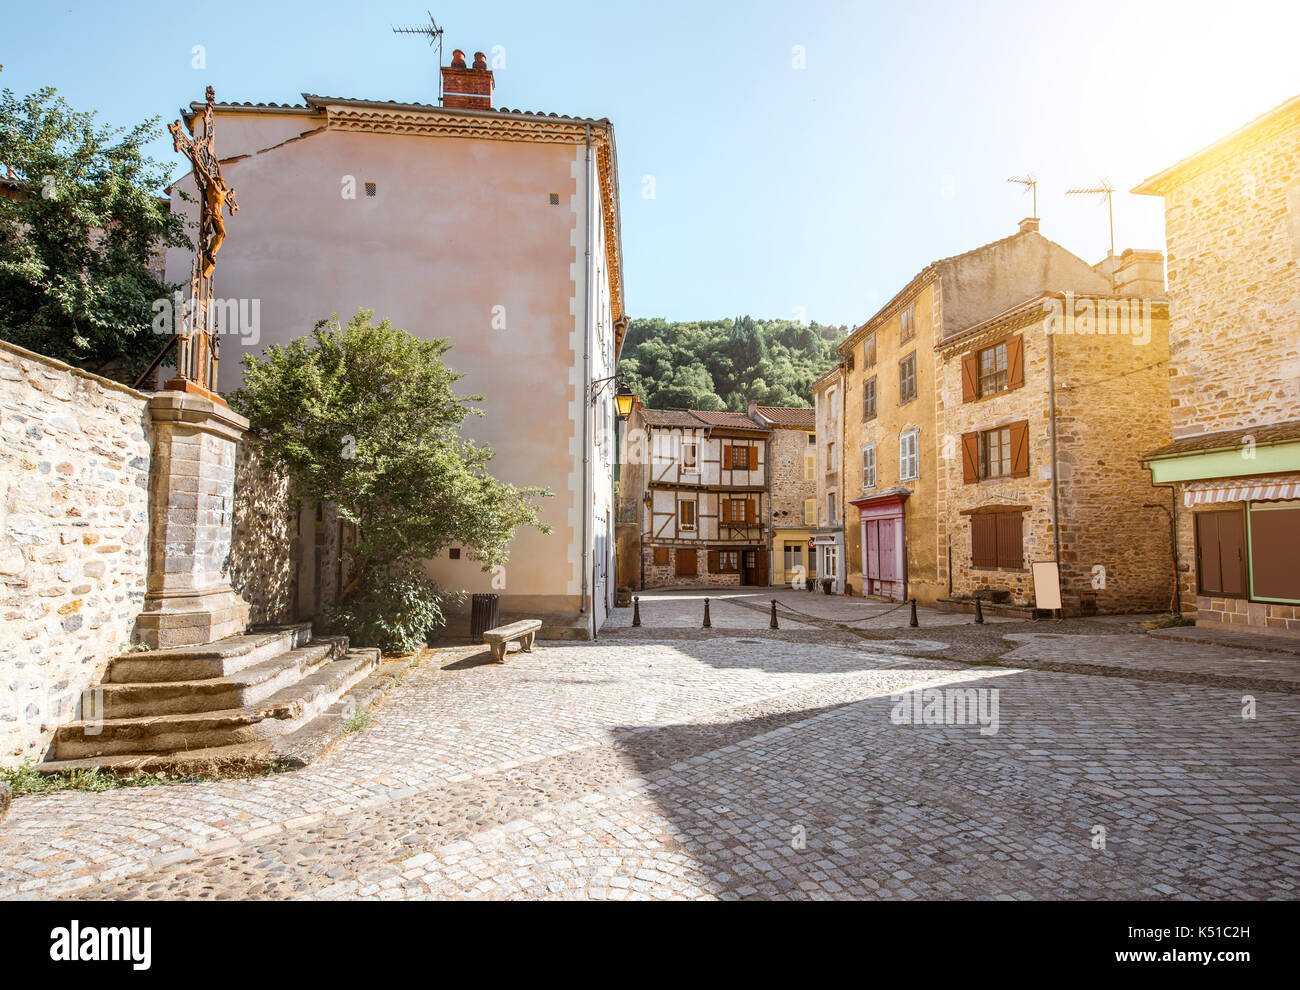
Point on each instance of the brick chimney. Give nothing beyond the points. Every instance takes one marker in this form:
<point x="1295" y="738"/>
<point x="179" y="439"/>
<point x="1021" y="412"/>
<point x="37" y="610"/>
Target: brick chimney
<point x="1140" y="274"/>
<point x="467" y="88"/>
<point x="1029" y="225"/>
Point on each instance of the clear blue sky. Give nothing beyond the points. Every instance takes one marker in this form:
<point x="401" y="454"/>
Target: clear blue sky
<point x="821" y="188"/>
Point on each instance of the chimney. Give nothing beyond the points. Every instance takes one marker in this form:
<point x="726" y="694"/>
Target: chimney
<point x="1029" y="225"/>
<point x="1140" y="274"/>
<point x="466" y="88"/>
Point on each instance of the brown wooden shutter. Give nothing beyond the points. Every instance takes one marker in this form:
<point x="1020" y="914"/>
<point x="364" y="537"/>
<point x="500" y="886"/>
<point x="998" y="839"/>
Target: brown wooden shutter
<point x="970" y="457"/>
<point x="1010" y="551"/>
<point x="983" y="540"/>
<point x="1232" y="552"/>
<point x="751" y="458"/>
<point x="1020" y="449"/>
<point x="1015" y="361"/>
<point x="724" y="509"/>
<point x="661" y="556"/>
<point x="970" y="377"/>
<point x="749" y="512"/>
<point x="713" y="562"/>
<point x="726" y="457"/>
<point x="686" y="563"/>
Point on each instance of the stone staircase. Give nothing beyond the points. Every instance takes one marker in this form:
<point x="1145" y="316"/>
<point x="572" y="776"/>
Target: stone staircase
<point x="240" y="703"/>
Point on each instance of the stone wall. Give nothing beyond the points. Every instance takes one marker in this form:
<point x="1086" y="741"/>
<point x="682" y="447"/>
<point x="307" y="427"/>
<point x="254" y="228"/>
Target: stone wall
<point x="1233" y="231"/>
<point x="789" y="484"/>
<point x="74" y="471"/>
<point x="262" y="552"/>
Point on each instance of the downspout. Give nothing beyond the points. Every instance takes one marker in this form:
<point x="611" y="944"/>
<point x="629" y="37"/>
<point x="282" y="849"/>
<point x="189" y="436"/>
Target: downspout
<point x="587" y="586"/>
<point x="1056" y="502"/>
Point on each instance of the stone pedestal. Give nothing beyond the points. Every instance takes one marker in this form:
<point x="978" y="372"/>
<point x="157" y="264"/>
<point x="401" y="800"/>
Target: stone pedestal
<point x="189" y="600"/>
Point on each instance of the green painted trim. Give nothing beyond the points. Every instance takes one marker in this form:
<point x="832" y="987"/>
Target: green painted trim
<point x="1250" y="560"/>
<point x="1273" y="459"/>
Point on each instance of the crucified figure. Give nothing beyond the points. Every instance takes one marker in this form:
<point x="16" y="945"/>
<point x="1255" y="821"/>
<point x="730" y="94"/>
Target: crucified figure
<point x="214" y="194"/>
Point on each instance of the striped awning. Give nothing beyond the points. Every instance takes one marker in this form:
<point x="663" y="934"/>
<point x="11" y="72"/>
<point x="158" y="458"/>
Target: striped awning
<point x="1271" y="490"/>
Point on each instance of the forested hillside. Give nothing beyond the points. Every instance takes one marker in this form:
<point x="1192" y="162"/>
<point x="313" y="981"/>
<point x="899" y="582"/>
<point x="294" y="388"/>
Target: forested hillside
<point x="723" y="364"/>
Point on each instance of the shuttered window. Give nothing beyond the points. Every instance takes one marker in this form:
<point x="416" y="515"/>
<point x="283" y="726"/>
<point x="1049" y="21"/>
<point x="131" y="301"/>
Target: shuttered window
<point x="686" y="514"/>
<point x="810" y="512"/>
<point x="869" y="352"/>
<point x="907" y="379"/>
<point x="869" y="466"/>
<point x="687" y="563"/>
<point x="743" y="458"/>
<point x="737" y="511"/>
<point x="997" y="539"/>
<point x="907" y="324"/>
<point x="909" y="464"/>
<point x="1221" y="553"/>
<point x="810" y="463"/>
<point x="1002" y="452"/>
<point x="1275" y="552"/>
<point x="661" y="556"/>
<point x="869" y="399"/>
<point x="724" y="561"/>
<point x="993" y="369"/>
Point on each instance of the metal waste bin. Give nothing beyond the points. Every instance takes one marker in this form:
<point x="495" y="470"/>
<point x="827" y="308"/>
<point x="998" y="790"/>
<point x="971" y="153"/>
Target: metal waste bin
<point x="484" y="615"/>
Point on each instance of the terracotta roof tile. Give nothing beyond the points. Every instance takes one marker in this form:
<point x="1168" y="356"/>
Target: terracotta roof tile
<point x="788" y="415"/>
<point x="1230" y="439"/>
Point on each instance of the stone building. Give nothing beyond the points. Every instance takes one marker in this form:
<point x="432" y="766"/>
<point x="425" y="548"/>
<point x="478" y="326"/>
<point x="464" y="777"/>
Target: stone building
<point x="496" y="229"/>
<point x="1232" y="224"/>
<point x="895" y="474"/>
<point x="698" y="481"/>
<point x="792" y="479"/>
<point x="1047" y="408"/>
<point x="827" y="517"/>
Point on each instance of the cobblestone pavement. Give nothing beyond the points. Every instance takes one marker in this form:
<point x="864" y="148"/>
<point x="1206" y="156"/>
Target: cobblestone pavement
<point x="729" y="767"/>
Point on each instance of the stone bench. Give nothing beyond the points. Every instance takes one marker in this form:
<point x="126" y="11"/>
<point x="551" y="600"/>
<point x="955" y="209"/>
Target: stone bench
<point x="500" y="638"/>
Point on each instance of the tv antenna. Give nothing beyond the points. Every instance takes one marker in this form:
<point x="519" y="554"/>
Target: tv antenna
<point x="434" y="34"/>
<point x="1031" y="184"/>
<point x="1105" y="190"/>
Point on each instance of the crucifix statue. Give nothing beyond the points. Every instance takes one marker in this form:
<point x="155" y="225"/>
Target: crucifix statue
<point x="214" y="194"/>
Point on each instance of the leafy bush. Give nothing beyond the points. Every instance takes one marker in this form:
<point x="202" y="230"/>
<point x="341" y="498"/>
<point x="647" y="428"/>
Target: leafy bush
<point x="395" y="610"/>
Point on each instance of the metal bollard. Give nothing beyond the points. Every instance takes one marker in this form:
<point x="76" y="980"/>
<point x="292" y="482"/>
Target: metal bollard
<point x="708" y="623"/>
<point x="979" y="611"/>
<point x="636" y="610"/>
<point x="772" y="624"/>
<point x="914" y="623"/>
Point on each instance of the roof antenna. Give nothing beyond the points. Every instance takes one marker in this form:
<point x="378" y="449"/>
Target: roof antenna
<point x="1031" y="184"/>
<point x="434" y="34"/>
<point x="1103" y="189"/>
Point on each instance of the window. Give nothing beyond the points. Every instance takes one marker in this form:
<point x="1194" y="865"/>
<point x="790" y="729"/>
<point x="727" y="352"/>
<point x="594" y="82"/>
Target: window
<point x="869" y="352"/>
<point x="830" y="457"/>
<point x="995" y="453"/>
<point x="686" y="514"/>
<point x="993" y="369"/>
<point x="869" y="399"/>
<point x="453" y="553"/>
<point x="830" y="404"/>
<point x="687" y="563"/>
<point x="661" y="556"/>
<point x="724" y="561"/>
<point x="1274" y="548"/>
<point x="869" y="466"/>
<point x="810" y="467"/>
<point x="690" y="456"/>
<point x="1220" y="553"/>
<point x="742" y="458"/>
<point x="737" y="511"/>
<point x="810" y="512"/>
<point x="907" y="379"/>
<point x="812" y="439"/>
<point x="830" y="562"/>
<point x="907" y="324"/>
<point x="909" y="468"/>
<point x="793" y="556"/>
<point x="1002" y="452"/>
<point x="830" y="509"/>
<point x="996" y="540"/>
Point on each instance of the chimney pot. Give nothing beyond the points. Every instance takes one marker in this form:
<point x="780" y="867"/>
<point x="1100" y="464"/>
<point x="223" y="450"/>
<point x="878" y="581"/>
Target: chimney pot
<point x="458" y="59"/>
<point x="1029" y="225"/>
<point x="480" y="61"/>
<point x="464" y="88"/>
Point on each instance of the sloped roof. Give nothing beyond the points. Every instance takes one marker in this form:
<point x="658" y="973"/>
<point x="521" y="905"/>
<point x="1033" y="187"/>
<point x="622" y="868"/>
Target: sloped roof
<point x="728" y="420"/>
<point x="669" y="417"/>
<point x="696" y="419"/>
<point x="1262" y="436"/>
<point x="788" y="415"/>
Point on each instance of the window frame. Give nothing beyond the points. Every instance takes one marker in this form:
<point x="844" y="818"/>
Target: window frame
<point x="691" y="463"/>
<point x="907" y="323"/>
<point x="869" y="383"/>
<point x="907" y="361"/>
<point x="1006" y="453"/>
<point x="998" y="563"/>
<point x="694" y="513"/>
<point x="915" y="436"/>
<point x="1004" y="372"/>
<point x="869" y="448"/>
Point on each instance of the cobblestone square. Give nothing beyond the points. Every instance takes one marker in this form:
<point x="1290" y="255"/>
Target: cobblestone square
<point x="673" y="763"/>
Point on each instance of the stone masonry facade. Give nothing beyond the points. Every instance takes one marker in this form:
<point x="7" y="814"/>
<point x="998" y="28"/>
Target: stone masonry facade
<point x="73" y="528"/>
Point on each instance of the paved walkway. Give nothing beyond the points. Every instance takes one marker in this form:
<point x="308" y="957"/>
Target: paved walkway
<point x="734" y="766"/>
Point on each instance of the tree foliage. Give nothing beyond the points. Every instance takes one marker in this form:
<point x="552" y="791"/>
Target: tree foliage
<point x="723" y="364"/>
<point x="79" y="224"/>
<point x="366" y="416"/>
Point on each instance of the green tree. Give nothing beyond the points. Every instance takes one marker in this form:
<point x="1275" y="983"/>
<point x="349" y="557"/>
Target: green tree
<point x="366" y="416"/>
<point x="79" y="223"/>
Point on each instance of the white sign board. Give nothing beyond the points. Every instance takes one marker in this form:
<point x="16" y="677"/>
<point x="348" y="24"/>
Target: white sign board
<point x="1047" y="584"/>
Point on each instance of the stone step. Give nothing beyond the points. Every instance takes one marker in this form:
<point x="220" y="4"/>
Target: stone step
<point x="196" y="663"/>
<point x="282" y="712"/>
<point x="241" y="689"/>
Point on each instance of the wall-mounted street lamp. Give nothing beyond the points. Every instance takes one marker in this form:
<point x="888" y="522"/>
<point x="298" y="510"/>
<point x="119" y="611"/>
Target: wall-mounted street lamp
<point x="623" y="398"/>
